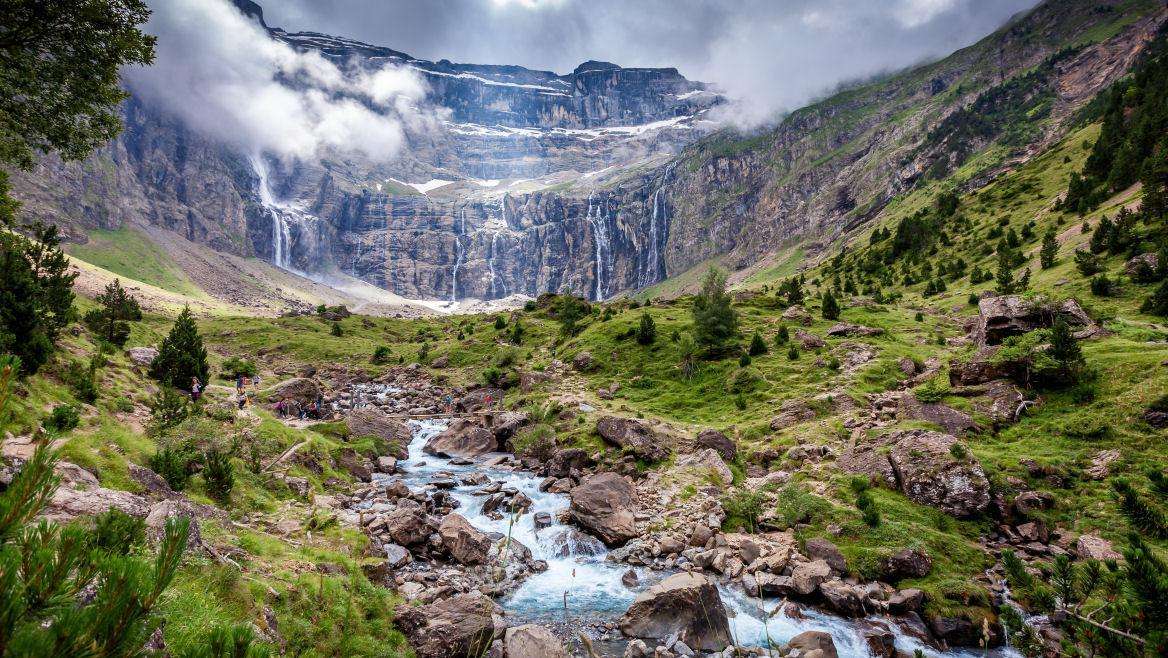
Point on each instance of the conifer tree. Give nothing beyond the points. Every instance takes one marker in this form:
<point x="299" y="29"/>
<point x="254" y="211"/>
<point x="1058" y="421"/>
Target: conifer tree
<point x="118" y="309"/>
<point x="758" y="346"/>
<point x="646" y="330"/>
<point x="714" y="320"/>
<point x="1048" y="255"/>
<point x="36" y="295"/>
<point x="181" y="355"/>
<point x="1157" y="303"/>
<point x="1004" y="279"/>
<point x="830" y="307"/>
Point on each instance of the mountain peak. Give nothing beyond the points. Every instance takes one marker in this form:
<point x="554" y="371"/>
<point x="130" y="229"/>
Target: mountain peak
<point x="595" y="65"/>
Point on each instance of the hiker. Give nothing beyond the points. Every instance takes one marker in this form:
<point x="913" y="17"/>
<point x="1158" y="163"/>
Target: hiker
<point x="490" y="400"/>
<point x="255" y="382"/>
<point x="239" y="385"/>
<point x="449" y="404"/>
<point x="196" y="389"/>
<point x="242" y="400"/>
<point x="280" y="409"/>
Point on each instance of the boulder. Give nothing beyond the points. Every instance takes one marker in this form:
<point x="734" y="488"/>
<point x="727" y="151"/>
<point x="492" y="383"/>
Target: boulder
<point x="929" y="473"/>
<point x="371" y="421"/>
<point x="686" y="606"/>
<point x="1010" y="315"/>
<point x="396" y="556"/>
<point x="298" y="389"/>
<point x="1094" y="547"/>
<point x="906" y="563"/>
<point x="707" y="462"/>
<point x="718" y="441"/>
<point x="806" y="577"/>
<point x="813" y="644"/>
<point x="847" y="329"/>
<point x="164" y="510"/>
<point x="142" y="356"/>
<point x="843" y="598"/>
<point x="633" y="436"/>
<point x="905" y="601"/>
<point x="818" y="548"/>
<point x="567" y="460"/>
<point x="407" y="526"/>
<point x="504" y="424"/>
<point x="1141" y="264"/>
<point x="947" y="418"/>
<point x="462" y="625"/>
<point x="798" y="315"/>
<point x="603" y="505"/>
<point x="532" y="641"/>
<point x="792" y="412"/>
<point x="463" y="438"/>
<point x="465" y="544"/>
<point x="68" y="503"/>
<point x="479" y="398"/>
<point x="808" y="340"/>
<point x="583" y="361"/>
<point x="354" y="464"/>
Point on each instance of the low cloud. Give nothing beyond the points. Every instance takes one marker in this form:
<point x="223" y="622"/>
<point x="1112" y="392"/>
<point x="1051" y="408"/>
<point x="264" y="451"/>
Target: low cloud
<point x="224" y="76"/>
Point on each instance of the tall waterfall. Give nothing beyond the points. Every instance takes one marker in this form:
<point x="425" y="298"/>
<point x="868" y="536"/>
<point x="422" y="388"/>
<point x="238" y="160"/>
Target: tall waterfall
<point x="598" y="218"/>
<point x="283" y="215"/>
<point x="653" y="266"/>
<point x="459" y="256"/>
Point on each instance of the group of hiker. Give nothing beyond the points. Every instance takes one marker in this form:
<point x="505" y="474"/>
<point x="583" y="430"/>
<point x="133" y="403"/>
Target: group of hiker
<point x="314" y="410"/>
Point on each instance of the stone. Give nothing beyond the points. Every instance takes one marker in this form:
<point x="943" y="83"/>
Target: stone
<point x="462" y="625"/>
<point x="686" y="606"/>
<point x="813" y="644"/>
<point x="1011" y="315"/>
<point x="298" y="485"/>
<point x="632" y="436"/>
<point x="532" y="641"/>
<point x="505" y="424"/>
<point x="480" y="398"/>
<point x="707" y="462"/>
<point x="906" y="600"/>
<point x="929" y="473"/>
<point x="818" y="548"/>
<point x="1100" y="466"/>
<point x="851" y="330"/>
<point x="387" y="464"/>
<point x="807" y="576"/>
<point x="299" y="389"/>
<point x="464" y="542"/>
<point x="142" y="356"/>
<point x="947" y="418"/>
<point x="906" y="563"/>
<point x="68" y="503"/>
<point x="792" y="412"/>
<point x="1094" y="547"/>
<point x="724" y="445"/>
<point x="566" y="460"/>
<point x="163" y="511"/>
<point x="843" y="598"/>
<point x="629" y="579"/>
<point x="463" y="437"/>
<point x="1029" y="502"/>
<point x="407" y="526"/>
<point x="603" y="504"/>
<point x="353" y="463"/>
<point x="1139" y="264"/>
<point x="798" y="315"/>
<point x="583" y="361"/>
<point x="397" y="556"/>
<point x="808" y="340"/>
<point x="371" y="421"/>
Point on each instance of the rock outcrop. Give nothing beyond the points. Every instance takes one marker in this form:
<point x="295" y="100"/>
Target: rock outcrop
<point x="603" y="504"/>
<point x="462" y="625"/>
<point x="685" y="605"/>
<point x="633" y="436"/>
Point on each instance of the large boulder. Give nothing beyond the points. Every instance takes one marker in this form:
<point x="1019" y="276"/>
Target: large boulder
<point x="142" y="356"/>
<point x="371" y="421"/>
<point x="813" y="644"/>
<point x="798" y="315"/>
<point x="932" y="469"/>
<point x="947" y="418"/>
<point x="532" y="641"/>
<point x="505" y="423"/>
<point x="632" y="436"/>
<point x="849" y="329"/>
<point x="464" y="437"/>
<point x="462" y="625"/>
<point x="299" y="389"/>
<point x="567" y="460"/>
<point x="708" y="463"/>
<point x="718" y="441"/>
<point x="1010" y="315"/>
<point x="685" y="605"/>
<point x="465" y="544"/>
<point x="481" y="398"/>
<point x="603" y="505"/>
<point x="407" y="526"/>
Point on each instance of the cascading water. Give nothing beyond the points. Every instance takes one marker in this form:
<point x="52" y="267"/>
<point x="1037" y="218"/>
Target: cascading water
<point x="652" y="269"/>
<point x="459" y="255"/>
<point x="582" y="586"/>
<point x="283" y="216"/>
<point x="599" y="222"/>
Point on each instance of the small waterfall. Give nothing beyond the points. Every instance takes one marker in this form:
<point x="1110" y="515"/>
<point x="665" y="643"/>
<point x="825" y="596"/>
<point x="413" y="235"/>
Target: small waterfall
<point x="598" y="218"/>
<point x="495" y="282"/>
<point x="459" y="256"/>
<point x="283" y="216"/>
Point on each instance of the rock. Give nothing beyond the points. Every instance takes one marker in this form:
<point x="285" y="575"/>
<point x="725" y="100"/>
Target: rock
<point x="542" y="520"/>
<point x="818" y="548"/>
<point x="299" y="389"/>
<point x="808" y="340"/>
<point x="603" y="504"/>
<point x="906" y="600"/>
<point x="632" y="436"/>
<point x="583" y="362"/>
<point x="1141" y="264"/>
<point x="371" y="421"/>
<point x="813" y="644"/>
<point x="709" y="463"/>
<point x="1029" y="502"/>
<point x="463" y="437"/>
<point x="397" y="556"/>
<point x="630" y="579"/>
<point x="906" y="563"/>
<point x="479" y="398"/>
<point x="506" y="423"/>
<point x="297" y="485"/>
<point x="567" y="460"/>
<point x="848" y="329"/>
<point x="797" y="314"/>
<point x="352" y="462"/>
<point x="142" y="356"/>
<point x="868" y="459"/>
<point x="407" y="526"/>
<point x="1005" y="400"/>
<point x="929" y="473"/>
<point x="1101" y="462"/>
<point x="462" y="625"/>
<point x="880" y="640"/>
<point x="718" y="441"/>
<point x="907" y="366"/>
<point x="843" y="598"/>
<point x="165" y="510"/>
<point x="387" y="464"/>
<point x="686" y="606"/>
<point x="68" y="503"/>
<point x="949" y="419"/>
<point x="152" y="483"/>
<point x="466" y="544"/>
<point x="792" y="412"/>
<point x="441" y="362"/>
<point x="807" y="576"/>
<point x="1011" y="315"/>
<point x="1094" y="547"/>
<point x="532" y="641"/>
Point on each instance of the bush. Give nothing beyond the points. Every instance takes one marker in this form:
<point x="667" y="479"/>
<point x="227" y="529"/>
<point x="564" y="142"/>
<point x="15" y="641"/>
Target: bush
<point x="743" y="507"/>
<point x="219" y="474"/>
<point x="1087" y="263"/>
<point x="167" y="409"/>
<point x="82" y="379"/>
<point x="500" y="322"/>
<point x="744" y="360"/>
<point x="537" y="442"/>
<point x="742" y="381"/>
<point x="336" y="330"/>
<point x="173" y="464"/>
<point x="235" y="367"/>
<point x="796" y="505"/>
<point x="381" y="355"/>
<point x="1101" y="286"/>
<point x="740" y="402"/>
<point x="757" y="345"/>
<point x="932" y="391"/>
<point x="867" y="506"/>
<point x="830" y="307"/>
<point x="782" y="336"/>
<point x="793" y="353"/>
<point x="1157" y="303"/>
<point x="117" y="532"/>
<point x="646" y="330"/>
<point x="715" y="321"/>
<point x="493" y="376"/>
<point x="62" y="418"/>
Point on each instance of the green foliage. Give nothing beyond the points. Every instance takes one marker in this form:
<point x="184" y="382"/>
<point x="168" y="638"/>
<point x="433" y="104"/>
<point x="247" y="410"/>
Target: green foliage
<point x="381" y="355"/>
<point x="831" y="309"/>
<point x="222" y="642"/>
<point x="500" y="323"/>
<point x="646" y="330"/>
<point x="63" y="418"/>
<point x="569" y="311"/>
<point x="181" y="356"/>
<point x="1048" y="253"/>
<point x="36" y="290"/>
<point x="219" y="474"/>
<point x="715" y="322"/>
<point x="793" y="353"/>
<point x="1087" y="263"/>
<point x="336" y="330"/>
<point x="790" y="291"/>
<point x="758" y="346"/>
<point x="743" y="508"/>
<point x="235" y="367"/>
<point x="797" y="505"/>
<point x="933" y="391"/>
<point x="111" y="321"/>
<point x="1157" y="303"/>
<point x="782" y="335"/>
<point x="82" y="379"/>
<point x="1102" y="286"/>
<point x="1143" y="514"/>
<point x="168" y="408"/>
<point x="118" y="533"/>
<point x="867" y="506"/>
<point x="517" y="330"/>
<point x="173" y="464"/>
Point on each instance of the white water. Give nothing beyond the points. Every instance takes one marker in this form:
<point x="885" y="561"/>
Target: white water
<point x="599" y="222"/>
<point x="459" y="255"/>
<point x="580" y="584"/>
<point x="283" y="216"/>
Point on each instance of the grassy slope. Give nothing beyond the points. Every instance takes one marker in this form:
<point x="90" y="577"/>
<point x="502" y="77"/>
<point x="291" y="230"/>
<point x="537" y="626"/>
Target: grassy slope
<point x="130" y="254"/>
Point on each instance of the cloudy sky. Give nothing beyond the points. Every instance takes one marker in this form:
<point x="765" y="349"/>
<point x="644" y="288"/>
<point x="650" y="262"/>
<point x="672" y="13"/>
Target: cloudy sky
<point x="775" y="54"/>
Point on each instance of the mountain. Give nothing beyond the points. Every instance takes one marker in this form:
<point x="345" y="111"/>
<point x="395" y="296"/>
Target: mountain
<point x="601" y="181"/>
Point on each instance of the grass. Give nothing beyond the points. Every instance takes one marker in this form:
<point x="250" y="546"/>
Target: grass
<point x="130" y="254"/>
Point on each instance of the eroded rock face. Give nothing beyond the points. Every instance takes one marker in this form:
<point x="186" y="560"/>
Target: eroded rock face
<point x="603" y="504"/>
<point x="464" y="437"/>
<point x="930" y="472"/>
<point x="1011" y="315"/>
<point x="684" y="604"/>
<point x="633" y="436"/>
<point x="462" y="625"/>
<point x="466" y="544"/>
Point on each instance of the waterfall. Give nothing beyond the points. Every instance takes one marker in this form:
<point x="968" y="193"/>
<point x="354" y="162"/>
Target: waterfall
<point x="282" y="214"/>
<point x="599" y="221"/>
<point x="459" y="255"/>
<point x="491" y="265"/>
<point x="653" y="267"/>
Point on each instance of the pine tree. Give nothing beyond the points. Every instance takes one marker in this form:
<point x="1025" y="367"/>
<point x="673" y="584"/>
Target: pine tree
<point x="1048" y="255"/>
<point x="118" y="309"/>
<point x="758" y="346"/>
<point x="1102" y="236"/>
<point x="36" y="295"/>
<point x="646" y="330"/>
<point x="830" y="307"/>
<point x="1004" y="279"/>
<point x="782" y="335"/>
<point x="714" y="320"/>
<point x="1157" y="303"/>
<point x="517" y="331"/>
<point x="181" y="355"/>
<point x="1064" y="349"/>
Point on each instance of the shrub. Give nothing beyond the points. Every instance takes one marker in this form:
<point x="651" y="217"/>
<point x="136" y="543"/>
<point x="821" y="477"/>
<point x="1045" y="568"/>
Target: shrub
<point x="219" y="474"/>
<point x="933" y="390"/>
<point x="1101" y="286"/>
<point x="646" y="330"/>
<point x="62" y="418"/>
<point x="796" y="505"/>
<point x="537" y="442"/>
<point x="492" y="376"/>
<point x="167" y="409"/>
<point x="1157" y="303"/>
<point x="336" y="330"/>
<point x="793" y="353"/>
<point x="381" y="355"/>
<point x="82" y="379"/>
<point x="1087" y="263"/>
<point x="740" y="402"/>
<point x="782" y="336"/>
<point x="714" y="320"/>
<point x="830" y="307"/>
<point x="117" y="532"/>
<point x="500" y="322"/>
<point x="235" y="367"/>
<point x="744" y="360"/>
<point x="742" y="381"/>
<point x="757" y="345"/>
<point x="867" y="506"/>
<point x="743" y="507"/>
<point x="173" y="464"/>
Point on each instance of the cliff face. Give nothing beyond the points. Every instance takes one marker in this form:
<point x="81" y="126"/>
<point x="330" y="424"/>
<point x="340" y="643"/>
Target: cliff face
<point x="599" y="181"/>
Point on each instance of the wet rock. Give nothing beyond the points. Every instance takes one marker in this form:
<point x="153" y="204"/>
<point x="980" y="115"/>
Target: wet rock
<point x="632" y="436"/>
<point x="906" y="563"/>
<point x="532" y="641"/>
<point x="603" y="504"/>
<point x="542" y="520"/>
<point x="465" y="544"/>
<point x="462" y="625"/>
<point x="463" y="437"/>
<point x="629" y="579"/>
<point x="387" y="464"/>
<point x="842" y="597"/>
<point x="686" y="606"/>
<point x="813" y="644"/>
<point x="724" y="445"/>
<point x="879" y="638"/>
